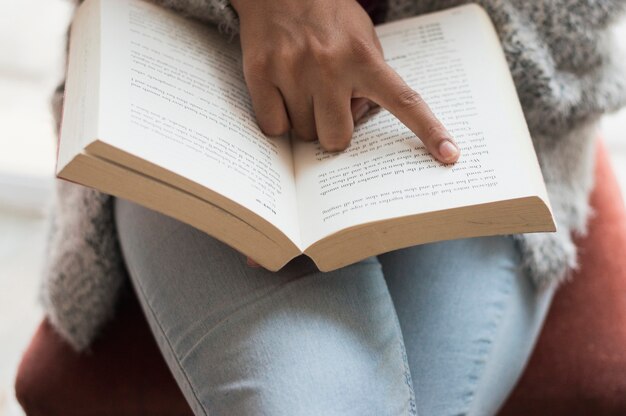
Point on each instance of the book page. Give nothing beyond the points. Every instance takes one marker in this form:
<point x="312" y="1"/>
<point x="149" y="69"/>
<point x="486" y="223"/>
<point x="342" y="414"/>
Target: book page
<point x="80" y="110"/>
<point x="454" y="60"/>
<point x="173" y="93"/>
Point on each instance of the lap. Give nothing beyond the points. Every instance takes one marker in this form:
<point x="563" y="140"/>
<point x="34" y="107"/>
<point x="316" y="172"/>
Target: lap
<point x="469" y="316"/>
<point x="246" y="341"/>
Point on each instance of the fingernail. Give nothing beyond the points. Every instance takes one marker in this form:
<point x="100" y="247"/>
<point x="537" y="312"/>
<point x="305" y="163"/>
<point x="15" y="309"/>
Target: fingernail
<point x="361" y="111"/>
<point x="448" y="150"/>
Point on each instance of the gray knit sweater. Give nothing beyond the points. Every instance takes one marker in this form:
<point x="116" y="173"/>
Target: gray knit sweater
<point x="558" y="52"/>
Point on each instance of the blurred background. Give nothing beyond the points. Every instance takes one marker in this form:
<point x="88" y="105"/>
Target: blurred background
<point x="32" y="36"/>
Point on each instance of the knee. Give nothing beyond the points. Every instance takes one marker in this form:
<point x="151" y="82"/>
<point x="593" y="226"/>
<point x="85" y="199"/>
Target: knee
<point x="308" y="354"/>
<point x="303" y="376"/>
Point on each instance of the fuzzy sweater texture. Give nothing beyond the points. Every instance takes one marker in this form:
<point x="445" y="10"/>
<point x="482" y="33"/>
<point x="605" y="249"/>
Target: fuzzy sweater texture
<point x="561" y="57"/>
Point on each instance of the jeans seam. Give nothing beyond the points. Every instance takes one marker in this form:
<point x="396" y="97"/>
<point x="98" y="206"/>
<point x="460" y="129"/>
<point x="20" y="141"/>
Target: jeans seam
<point x="485" y="346"/>
<point x="408" y="380"/>
<point x="170" y="349"/>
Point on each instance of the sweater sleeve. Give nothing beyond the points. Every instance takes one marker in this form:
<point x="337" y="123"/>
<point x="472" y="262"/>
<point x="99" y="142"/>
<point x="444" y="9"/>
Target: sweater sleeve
<point x="218" y="12"/>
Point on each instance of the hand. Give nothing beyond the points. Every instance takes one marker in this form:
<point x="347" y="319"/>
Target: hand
<point x="313" y="66"/>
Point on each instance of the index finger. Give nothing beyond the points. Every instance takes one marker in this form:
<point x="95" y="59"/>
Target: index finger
<point x="389" y="90"/>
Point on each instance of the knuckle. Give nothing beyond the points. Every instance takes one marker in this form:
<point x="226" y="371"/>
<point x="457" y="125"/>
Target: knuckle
<point x="273" y="127"/>
<point x="287" y="54"/>
<point x="409" y="99"/>
<point x="288" y="61"/>
<point x="257" y="67"/>
<point x="325" y="57"/>
<point x="365" y="52"/>
<point x="436" y="134"/>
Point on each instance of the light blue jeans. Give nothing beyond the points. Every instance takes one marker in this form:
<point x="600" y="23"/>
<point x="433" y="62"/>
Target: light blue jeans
<point x="438" y="329"/>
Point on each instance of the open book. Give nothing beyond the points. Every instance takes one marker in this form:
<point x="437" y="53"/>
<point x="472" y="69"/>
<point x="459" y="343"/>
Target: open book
<point x="157" y="112"/>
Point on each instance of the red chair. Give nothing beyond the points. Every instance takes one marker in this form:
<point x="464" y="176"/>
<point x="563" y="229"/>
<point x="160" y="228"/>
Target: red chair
<point x="578" y="366"/>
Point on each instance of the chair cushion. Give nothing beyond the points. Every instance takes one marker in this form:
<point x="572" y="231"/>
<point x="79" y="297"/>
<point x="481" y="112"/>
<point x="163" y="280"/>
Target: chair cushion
<point x="123" y="374"/>
<point x="577" y="368"/>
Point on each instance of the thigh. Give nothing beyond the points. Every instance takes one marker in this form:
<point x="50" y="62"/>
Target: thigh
<point x="245" y="341"/>
<point x="469" y="316"/>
